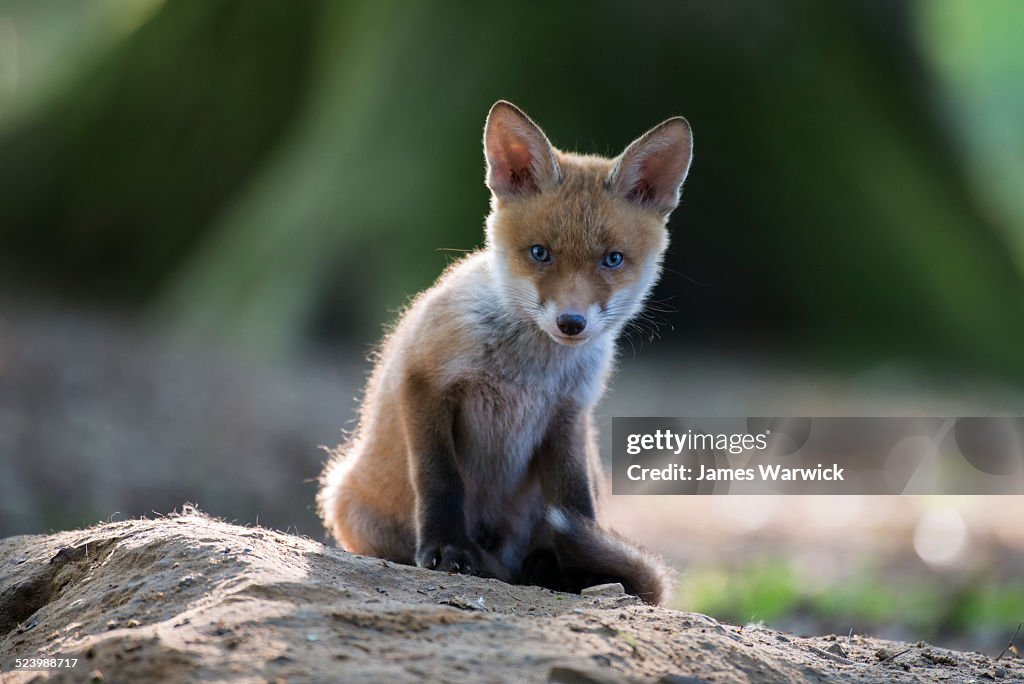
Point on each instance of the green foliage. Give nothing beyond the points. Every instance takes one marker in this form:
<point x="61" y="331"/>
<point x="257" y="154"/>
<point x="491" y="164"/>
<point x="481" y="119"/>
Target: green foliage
<point x="273" y="171"/>
<point x="976" y="53"/>
<point x="868" y="597"/>
<point x="990" y="604"/>
<point x="764" y="591"/>
<point x="109" y="187"/>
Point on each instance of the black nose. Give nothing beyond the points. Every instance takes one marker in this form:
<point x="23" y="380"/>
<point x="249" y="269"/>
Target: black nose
<point x="571" y="324"/>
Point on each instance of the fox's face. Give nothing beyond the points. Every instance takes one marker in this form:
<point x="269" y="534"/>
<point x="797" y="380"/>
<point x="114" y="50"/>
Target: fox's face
<point x="576" y="240"/>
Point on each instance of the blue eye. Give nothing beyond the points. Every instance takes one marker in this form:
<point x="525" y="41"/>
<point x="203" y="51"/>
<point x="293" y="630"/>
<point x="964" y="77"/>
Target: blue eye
<point x="612" y="260"/>
<point x="540" y="253"/>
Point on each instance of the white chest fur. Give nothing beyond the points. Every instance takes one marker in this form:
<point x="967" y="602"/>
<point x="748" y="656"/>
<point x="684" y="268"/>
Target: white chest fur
<point x="503" y="415"/>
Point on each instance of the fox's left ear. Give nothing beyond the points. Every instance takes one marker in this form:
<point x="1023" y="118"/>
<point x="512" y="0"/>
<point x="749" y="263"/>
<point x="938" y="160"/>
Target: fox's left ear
<point x="520" y="160"/>
<point x="651" y="171"/>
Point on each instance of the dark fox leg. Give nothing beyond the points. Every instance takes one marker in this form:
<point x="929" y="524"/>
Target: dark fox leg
<point x="570" y="551"/>
<point x="542" y="569"/>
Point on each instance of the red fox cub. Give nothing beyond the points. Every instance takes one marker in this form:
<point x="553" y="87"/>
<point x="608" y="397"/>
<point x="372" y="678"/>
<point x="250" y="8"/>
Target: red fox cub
<point x="476" y="449"/>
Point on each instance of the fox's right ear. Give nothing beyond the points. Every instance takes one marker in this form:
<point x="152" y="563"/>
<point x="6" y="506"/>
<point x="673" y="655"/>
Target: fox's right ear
<point x="651" y="171"/>
<point x="520" y="160"/>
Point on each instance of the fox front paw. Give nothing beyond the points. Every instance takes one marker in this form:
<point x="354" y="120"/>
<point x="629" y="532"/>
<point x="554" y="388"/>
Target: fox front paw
<point x="448" y="558"/>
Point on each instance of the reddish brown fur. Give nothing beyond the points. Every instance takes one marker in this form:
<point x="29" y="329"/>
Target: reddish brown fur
<point x="580" y="222"/>
<point x="476" y="425"/>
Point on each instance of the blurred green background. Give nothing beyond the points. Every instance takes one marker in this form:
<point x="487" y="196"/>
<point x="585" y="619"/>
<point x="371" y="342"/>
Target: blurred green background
<point x="208" y="209"/>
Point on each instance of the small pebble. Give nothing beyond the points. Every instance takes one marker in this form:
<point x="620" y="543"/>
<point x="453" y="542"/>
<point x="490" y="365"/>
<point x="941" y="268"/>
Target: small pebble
<point x="836" y="649"/>
<point x="612" y="589"/>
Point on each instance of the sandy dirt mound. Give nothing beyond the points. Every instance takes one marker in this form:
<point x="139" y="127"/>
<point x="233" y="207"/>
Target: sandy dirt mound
<point x="187" y="598"/>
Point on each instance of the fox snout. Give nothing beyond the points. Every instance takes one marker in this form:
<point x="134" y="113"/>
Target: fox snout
<point x="571" y="324"/>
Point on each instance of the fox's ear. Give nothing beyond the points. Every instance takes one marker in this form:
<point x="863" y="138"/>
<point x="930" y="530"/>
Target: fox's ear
<point x="520" y="160"/>
<point x="651" y="171"/>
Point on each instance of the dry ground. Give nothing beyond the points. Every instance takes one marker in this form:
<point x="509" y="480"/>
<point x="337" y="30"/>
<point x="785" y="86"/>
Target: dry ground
<point x="190" y="598"/>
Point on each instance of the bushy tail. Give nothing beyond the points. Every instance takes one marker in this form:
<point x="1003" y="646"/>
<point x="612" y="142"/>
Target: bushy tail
<point x="588" y="555"/>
